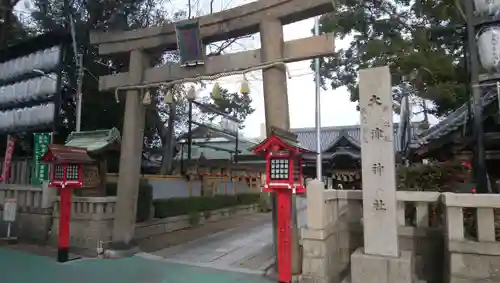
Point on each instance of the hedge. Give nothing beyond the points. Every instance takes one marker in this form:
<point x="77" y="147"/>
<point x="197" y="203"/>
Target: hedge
<point x="144" y="199"/>
<point x="182" y="206"/>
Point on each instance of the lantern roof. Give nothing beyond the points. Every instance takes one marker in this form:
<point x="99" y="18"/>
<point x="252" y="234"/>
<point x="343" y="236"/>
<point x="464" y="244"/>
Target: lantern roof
<point x="281" y="138"/>
<point x="58" y="154"/>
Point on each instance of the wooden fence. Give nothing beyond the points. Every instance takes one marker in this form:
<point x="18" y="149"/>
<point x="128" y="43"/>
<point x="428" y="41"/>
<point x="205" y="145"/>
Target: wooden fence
<point x="21" y="171"/>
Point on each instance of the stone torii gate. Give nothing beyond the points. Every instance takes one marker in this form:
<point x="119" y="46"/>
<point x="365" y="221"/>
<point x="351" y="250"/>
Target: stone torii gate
<point x="264" y="16"/>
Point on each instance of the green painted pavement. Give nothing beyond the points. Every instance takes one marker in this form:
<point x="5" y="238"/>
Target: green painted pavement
<point x="20" y="267"/>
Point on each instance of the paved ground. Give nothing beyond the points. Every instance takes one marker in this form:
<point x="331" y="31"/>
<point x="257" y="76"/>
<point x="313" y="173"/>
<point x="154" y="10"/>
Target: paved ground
<point x="167" y="240"/>
<point x="247" y="248"/>
<point x="234" y="255"/>
<point x="38" y="266"/>
<point x="20" y="267"/>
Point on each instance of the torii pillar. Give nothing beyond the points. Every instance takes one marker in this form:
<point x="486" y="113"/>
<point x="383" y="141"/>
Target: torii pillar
<point x="130" y="157"/>
<point x="277" y="112"/>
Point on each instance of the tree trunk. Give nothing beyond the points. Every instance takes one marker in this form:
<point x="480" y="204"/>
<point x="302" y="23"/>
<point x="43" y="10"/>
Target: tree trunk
<point x="168" y="142"/>
<point x="426" y="113"/>
<point x="6" y="10"/>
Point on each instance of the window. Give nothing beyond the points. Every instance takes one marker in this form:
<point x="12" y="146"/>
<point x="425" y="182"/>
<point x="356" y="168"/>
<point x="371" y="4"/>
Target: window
<point x="279" y="169"/>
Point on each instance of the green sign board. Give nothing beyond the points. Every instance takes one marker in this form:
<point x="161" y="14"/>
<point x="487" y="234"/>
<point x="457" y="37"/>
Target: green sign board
<point x="41" y="170"/>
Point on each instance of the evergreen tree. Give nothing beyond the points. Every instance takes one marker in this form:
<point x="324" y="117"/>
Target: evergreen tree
<point x="422" y="42"/>
<point x="99" y="109"/>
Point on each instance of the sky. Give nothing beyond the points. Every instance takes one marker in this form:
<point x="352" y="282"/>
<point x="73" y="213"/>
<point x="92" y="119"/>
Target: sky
<point x="336" y="107"/>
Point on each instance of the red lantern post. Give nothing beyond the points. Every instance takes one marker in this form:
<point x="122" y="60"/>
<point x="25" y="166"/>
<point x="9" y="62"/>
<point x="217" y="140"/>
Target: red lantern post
<point x="67" y="174"/>
<point x="284" y="178"/>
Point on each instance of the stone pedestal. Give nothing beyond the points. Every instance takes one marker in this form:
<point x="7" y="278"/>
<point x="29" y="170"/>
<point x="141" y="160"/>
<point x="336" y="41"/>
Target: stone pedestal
<point x="48" y="195"/>
<point x="381" y="269"/>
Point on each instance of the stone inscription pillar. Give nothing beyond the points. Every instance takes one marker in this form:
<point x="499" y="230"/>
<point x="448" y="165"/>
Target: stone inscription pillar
<point x="131" y="154"/>
<point x="277" y="112"/>
<point x="378" y="163"/>
<point x="380" y="261"/>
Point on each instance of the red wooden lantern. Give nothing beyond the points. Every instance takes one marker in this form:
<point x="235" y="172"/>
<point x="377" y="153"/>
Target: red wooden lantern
<point x="283" y="177"/>
<point x="67" y="174"/>
<point x="283" y="164"/>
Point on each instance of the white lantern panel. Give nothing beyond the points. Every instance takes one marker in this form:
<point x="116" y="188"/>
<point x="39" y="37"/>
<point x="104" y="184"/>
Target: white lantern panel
<point x="27" y="117"/>
<point x="43" y="60"/>
<point x="489" y="49"/>
<point x="279" y="169"/>
<point x="33" y="89"/>
<point x="487" y="7"/>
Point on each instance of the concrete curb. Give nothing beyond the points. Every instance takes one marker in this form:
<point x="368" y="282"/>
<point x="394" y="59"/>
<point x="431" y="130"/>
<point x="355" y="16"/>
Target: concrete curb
<point x="204" y="265"/>
<point x="269" y="265"/>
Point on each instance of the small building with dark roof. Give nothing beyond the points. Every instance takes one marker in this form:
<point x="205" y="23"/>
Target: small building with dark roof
<point x="104" y="147"/>
<point x="452" y="138"/>
<point x="341" y="153"/>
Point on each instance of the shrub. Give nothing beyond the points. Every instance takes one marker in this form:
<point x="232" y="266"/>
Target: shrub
<point x="449" y="176"/>
<point x="144" y="199"/>
<point x="182" y="206"/>
<point x="436" y="177"/>
<point x="248" y="198"/>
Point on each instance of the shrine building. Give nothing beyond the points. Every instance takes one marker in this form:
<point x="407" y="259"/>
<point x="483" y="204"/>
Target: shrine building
<point x="341" y="153"/>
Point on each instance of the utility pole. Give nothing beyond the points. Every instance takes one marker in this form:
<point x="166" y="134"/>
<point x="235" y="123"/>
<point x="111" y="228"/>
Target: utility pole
<point x="80" y="73"/>
<point x="70" y="23"/>
<point x="319" y="159"/>
<point x="474" y="24"/>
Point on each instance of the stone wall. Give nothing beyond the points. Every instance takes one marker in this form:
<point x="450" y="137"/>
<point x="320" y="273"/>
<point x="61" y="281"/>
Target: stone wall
<point x="91" y="221"/>
<point x="34" y="212"/>
<point x="472" y="258"/>
<point x="431" y="226"/>
<point x="91" y="218"/>
<point x="179" y="187"/>
<point x="334" y="231"/>
<point x="31" y="225"/>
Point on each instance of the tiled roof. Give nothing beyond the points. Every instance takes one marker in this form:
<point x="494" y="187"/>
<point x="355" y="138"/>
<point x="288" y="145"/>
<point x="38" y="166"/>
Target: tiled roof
<point x="453" y="122"/>
<point x="307" y="136"/>
<point x="58" y="153"/>
<point x="94" y="141"/>
<point x="215" y="150"/>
